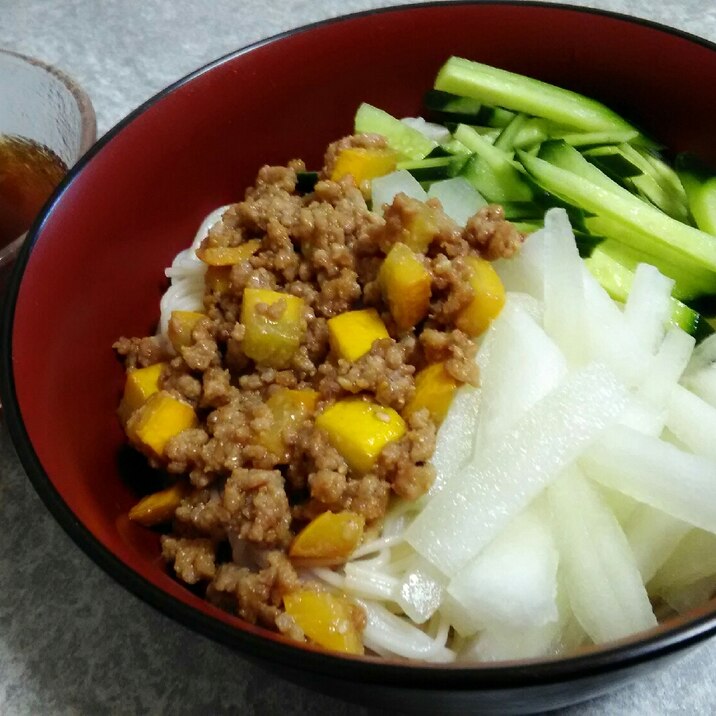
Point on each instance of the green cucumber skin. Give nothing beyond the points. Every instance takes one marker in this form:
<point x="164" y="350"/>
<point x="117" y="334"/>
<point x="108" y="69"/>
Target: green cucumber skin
<point x="699" y="182"/>
<point x="597" y="139"/>
<point x="501" y="88"/>
<point x="495" y="117"/>
<point x="435" y="168"/>
<point x="446" y="103"/>
<point x="306" y="182"/>
<point x="613" y="163"/>
<point x="669" y="237"/>
<point x="703" y="207"/>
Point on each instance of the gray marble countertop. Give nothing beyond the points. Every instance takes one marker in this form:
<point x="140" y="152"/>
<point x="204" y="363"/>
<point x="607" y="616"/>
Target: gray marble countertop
<point x="71" y="640"/>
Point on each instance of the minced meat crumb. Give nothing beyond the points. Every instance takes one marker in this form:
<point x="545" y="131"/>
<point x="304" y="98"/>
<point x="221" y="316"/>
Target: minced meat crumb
<point x="493" y="236"/>
<point x="193" y="559"/>
<point x="255" y="465"/>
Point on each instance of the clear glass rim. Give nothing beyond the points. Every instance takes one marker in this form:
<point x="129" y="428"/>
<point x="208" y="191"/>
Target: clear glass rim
<point x="88" y="130"/>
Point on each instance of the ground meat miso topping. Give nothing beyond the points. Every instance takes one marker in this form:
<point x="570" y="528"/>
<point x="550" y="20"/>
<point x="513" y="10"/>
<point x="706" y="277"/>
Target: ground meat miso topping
<point x="307" y="392"/>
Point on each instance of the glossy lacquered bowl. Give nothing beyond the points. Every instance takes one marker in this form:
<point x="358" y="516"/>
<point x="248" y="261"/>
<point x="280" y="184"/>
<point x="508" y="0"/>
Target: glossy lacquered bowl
<point x="93" y="270"/>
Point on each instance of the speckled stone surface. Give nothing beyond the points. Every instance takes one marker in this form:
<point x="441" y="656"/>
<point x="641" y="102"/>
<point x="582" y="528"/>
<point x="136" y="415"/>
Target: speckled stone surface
<point x="71" y="640"/>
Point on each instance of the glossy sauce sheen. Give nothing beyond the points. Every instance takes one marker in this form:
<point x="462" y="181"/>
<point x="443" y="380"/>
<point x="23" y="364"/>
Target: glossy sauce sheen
<point x="29" y="173"/>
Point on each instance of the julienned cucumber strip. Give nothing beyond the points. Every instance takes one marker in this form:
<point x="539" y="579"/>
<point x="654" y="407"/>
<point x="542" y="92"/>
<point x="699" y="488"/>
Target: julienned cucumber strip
<point x="699" y="181"/>
<point x="497" y="117"/>
<point x="446" y="103"/>
<point x="494" y="86"/>
<point x="408" y="142"/>
<point x="534" y="132"/>
<point x="649" y="188"/>
<point x="492" y="171"/>
<point x="494" y="185"/>
<point x="659" y="184"/>
<point x="528" y="210"/>
<point x="435" y="168"/>
<point x="566" y="157"/>
<point x="693" y="282"/>
<point x="451" y="148"/>
<point x="617" y="279"/>
<point x="477" y="144"/>
<point x="561" y="154"/>
<point x="612" y="162"/>
<point x="667" y="235"/>
<point x="506" y="140"/>
<point x="664" y="174"/>
<point x="596" y="139"/>
<point x="489" y="134"/>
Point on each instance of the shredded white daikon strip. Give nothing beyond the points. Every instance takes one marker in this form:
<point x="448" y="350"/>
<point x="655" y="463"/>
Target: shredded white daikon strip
<point x="511" y="471"/>
<point x="602" y="579"/>
<point x="653" y="536"/>
<point x="565" y="317"/>
<point x="657" y="473"/>
<point x="459" y="199"/>
<point x="433" y="131"/>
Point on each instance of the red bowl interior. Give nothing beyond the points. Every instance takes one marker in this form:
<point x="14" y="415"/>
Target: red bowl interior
<point x="95" y="269"/>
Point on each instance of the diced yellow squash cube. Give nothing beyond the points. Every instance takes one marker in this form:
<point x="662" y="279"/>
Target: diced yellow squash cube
<point x="329" y="539"/>
<point x="353" y="333"/>
<point x="325" y="619"/>
<point x="160" y="418"/>
<point x="363" y="163"/>
<point x="217" y="278"/>
<point x="274" y="324"/>
<point x="405" y="284"/>
<point x="288" y="409"/>
<point x="181" y="325"/>
<point x="421" y="229"/>
<point x="159" y="506"/>
<point x="415" y="223"/>
<point x="228" y="255"/>
<point x="434" y="390"/>
<point x="139" y="385"/>
<point x="488" y="299"/>
<point x="359" y="430"/>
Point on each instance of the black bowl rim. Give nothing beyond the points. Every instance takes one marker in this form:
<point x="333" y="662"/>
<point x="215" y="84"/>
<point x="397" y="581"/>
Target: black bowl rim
<point x="418" y="676"/>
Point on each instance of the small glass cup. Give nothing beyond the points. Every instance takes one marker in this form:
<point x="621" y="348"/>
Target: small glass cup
<point x="41" y="104"/>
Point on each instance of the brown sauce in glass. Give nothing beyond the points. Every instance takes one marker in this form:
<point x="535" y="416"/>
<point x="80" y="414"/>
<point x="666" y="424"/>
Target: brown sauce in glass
<point x="29" y="173"/>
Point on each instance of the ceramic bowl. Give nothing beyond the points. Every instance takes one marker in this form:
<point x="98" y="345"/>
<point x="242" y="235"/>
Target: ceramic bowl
<point x="93" y="270"/>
